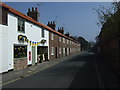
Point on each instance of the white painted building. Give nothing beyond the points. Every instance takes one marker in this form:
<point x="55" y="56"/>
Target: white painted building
<point x="18" y="25"/>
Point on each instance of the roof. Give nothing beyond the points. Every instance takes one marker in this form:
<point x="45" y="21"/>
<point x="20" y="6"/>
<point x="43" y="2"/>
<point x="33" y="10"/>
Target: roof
<point x="12" y="10"/>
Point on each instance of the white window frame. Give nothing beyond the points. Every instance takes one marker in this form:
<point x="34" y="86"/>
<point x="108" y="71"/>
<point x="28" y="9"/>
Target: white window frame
<point x="70" y="41"/>
<point x="63" y="40"/>
<point x="52" y="50"/>
<point x="43" y="32"/>
<point x="59" y="38"/>
<point x="59" y="50"/>
<point x="67" y="41"/>
<point x="64" y="50"/>
<point x="52" y="36"/>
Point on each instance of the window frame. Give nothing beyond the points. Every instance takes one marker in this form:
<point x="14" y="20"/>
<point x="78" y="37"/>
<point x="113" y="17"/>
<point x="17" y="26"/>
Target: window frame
<point x="52" y="50"/>
<point x="59" y="50"/>
<point x="21" y="26"/>
<point x="17" y="45"/>
<point x="59" y="38"/>
<point x="43" y="32"/>
<point x="52" y="36"/>
<point x="63" y="40"/>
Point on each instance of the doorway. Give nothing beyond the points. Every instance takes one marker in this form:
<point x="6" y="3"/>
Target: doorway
<point x="42" y="50"/>
<point x="65" y="51"/>
<point x="55" y="52"/>
<point x="33" y="55"/>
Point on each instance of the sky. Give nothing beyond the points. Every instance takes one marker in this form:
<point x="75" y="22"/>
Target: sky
<point x="77" y="18"/>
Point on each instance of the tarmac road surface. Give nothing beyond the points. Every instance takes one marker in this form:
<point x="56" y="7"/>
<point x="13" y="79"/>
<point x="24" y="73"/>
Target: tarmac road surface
<point x="85" y="70"/>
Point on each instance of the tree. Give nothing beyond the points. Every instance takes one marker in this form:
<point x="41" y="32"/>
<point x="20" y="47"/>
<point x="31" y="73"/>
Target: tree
<point x="84" y="43"/>
<point x="105" y="14"/>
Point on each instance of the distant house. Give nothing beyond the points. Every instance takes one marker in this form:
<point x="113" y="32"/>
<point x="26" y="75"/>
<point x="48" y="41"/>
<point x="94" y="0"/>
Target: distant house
<point x="25" y="41"/>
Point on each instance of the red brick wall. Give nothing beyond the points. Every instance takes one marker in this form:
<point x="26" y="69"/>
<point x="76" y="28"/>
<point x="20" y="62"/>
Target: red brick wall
<point x="56" y="44"/>
<point x="110" y="51"/>
<point x="20" y="63"/>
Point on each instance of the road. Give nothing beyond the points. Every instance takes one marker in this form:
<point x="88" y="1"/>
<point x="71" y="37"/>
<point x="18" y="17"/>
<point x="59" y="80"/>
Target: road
<point x="85" y="70"/>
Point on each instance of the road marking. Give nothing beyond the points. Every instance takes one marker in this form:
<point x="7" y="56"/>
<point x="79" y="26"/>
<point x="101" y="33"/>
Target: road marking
<point x="98" y="75"/>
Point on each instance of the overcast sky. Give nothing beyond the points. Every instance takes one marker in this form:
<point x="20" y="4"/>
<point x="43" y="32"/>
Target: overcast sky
<point x="77" y="18"/>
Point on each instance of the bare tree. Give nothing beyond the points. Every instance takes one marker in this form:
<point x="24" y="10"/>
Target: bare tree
<point x="104" y="14"/>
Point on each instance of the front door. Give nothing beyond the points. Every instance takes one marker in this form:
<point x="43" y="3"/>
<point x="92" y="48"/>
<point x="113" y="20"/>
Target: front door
<point x="33" y="55"/>
<point x="56" y="52"/>
<point x="65" y="51"/>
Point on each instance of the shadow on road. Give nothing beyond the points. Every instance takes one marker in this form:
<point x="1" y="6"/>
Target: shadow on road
<point x="87" y="76"/>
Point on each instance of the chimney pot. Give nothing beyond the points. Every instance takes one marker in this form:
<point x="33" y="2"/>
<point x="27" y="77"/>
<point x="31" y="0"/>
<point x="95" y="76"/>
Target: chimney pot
<point x="32" y="8"/>
<point x="62" y="28"/>
<point x="48" y="22"/>
<point x="28" y="9"/>
<point x="53" y="22"/>
<point x="36" y="9"/>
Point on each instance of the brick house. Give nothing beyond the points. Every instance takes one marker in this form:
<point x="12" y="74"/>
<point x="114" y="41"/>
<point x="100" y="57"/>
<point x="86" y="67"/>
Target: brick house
<point x="61" y="44"/>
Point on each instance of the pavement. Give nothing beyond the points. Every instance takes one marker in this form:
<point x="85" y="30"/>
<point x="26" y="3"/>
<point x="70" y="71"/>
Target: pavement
<point x="12" y="76"/>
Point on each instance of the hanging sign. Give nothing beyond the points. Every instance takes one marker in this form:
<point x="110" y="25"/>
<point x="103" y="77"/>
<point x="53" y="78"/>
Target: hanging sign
<point x="23" y="39"/>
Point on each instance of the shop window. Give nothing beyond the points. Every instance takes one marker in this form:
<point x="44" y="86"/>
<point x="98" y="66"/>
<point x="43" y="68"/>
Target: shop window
<point x="21" y="25"/>
<point x="20" y="51"/>
<point x="43" y="32"/>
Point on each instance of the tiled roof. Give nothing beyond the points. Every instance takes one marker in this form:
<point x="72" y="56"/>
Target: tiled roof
<point x="12" y="10"/>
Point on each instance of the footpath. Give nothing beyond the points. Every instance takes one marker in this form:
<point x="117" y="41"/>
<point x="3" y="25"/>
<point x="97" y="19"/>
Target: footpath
<point x="12" y="76"/>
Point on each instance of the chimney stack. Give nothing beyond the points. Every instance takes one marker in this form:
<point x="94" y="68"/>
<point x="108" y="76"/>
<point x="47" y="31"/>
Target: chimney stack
<point x="52" y="25"/>
<point x="67" y="34"/>
<point x="61" y="30"/>
<point x="34" y="14"/>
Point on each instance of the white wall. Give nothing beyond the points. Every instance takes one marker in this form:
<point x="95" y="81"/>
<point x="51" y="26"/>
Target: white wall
<point x="3" y="48"/>
<point x="33" y="33"/>
<point x="0" y="48"/>
<point x="9" y="37"/>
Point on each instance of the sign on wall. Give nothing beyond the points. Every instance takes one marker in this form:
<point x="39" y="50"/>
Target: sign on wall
<point x="23" y="39"/>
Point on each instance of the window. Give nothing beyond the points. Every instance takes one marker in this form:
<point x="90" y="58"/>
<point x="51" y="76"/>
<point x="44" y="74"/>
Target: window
<point x="59" y="50"/>
<point x="67" y="41"/>
<point x="3" y="16"/>
<point x="21" y="25"/>
<point x="64" y="50"/>
<point x="67" y="51"/>
<point x="20" y="51"/>
<point x="59" y="38"/>
<point x="70" y="42"/>
<point x="43" y="33"/>
<point x="52" y="36"/>
<point x="52" y="50"/>
<point x="63" y="40"/>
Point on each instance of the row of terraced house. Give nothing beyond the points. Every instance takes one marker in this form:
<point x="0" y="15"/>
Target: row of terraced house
<point x="26" y="42"/>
